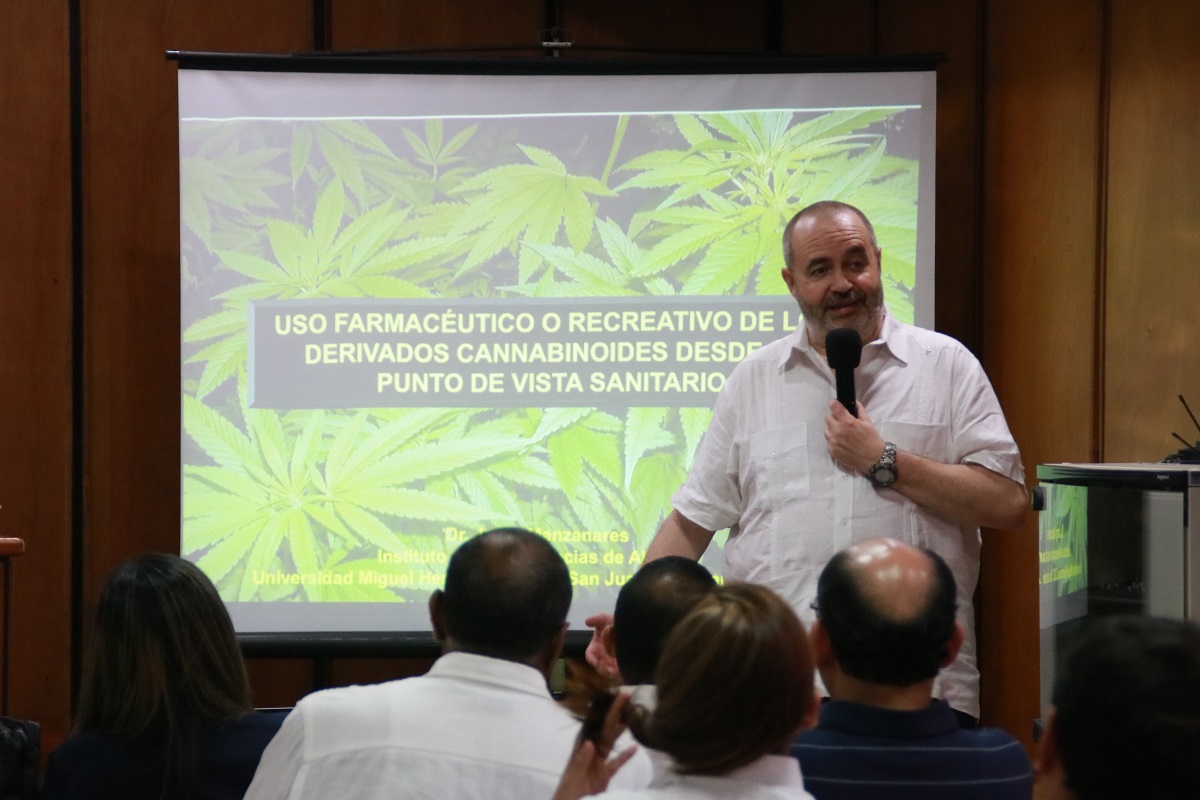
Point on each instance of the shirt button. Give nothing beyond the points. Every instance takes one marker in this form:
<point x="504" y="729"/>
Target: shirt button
<point x="843" y="523"/>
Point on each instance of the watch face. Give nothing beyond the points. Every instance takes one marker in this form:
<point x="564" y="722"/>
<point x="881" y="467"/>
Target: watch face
<point x="883" y="475"/>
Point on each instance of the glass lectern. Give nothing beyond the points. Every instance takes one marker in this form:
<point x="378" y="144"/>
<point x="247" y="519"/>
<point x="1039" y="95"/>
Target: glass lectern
<point x="1114" y="539"/>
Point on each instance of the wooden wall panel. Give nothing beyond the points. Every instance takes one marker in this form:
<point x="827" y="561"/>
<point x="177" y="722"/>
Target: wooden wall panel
<point x="131" y="229"/>
<point x="35" y="349"/>
<point x="1040" y="194"/>
<point x="707" y="26"/>
<point x="279" y="682"/>
<point x="131" y="255"/>
<point x="953" y="29"/>
<point x="412" y="24"/>
<point x="846" y="28"/>
<point x="1152" y="280"/>
<point x="348" y="671"/>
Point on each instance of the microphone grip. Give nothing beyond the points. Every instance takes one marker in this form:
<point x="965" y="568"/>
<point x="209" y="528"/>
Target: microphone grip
<point x="845" y="390"/>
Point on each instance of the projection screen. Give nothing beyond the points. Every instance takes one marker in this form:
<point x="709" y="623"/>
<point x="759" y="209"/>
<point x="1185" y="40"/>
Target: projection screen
<point x="420" y="304"/>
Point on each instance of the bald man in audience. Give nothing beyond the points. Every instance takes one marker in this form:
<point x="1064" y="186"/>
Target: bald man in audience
<point x="1125" y="719"/>
<point x="885" y="628"/>
<point x="480" y="724"/>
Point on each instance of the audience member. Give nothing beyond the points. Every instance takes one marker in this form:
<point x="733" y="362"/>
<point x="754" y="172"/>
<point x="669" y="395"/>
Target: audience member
<point x="735" y="684"/>
<point x="885" y="627"/>
<point x="480" y="724"/>
<point x="649" y="605"/>
<point x="1125" y="719"/>
<point x="164" y="705"/>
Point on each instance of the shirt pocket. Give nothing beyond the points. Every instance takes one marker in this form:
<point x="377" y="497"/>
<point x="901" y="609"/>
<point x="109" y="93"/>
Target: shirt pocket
<point x="928" y="441"/>
<point x="778" y="465"/>
<point x="922" y="439"/>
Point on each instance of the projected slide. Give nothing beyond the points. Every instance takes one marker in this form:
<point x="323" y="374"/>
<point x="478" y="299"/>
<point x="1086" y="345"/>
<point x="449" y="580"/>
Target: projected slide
<point x="1063" y="554"/>
<point x="416" y="307"/>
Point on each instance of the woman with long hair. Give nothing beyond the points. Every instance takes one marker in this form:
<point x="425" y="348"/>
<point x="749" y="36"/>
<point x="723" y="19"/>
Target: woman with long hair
<point x="734" y="686"/>
<point x="164" y="704"/>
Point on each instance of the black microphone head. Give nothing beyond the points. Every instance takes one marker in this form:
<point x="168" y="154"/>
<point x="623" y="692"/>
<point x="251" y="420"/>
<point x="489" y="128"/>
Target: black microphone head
<point x="843" y="348"/>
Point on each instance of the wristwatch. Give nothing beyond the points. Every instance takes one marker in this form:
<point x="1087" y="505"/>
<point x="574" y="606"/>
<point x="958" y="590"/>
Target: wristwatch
<point x="884" y="473"/>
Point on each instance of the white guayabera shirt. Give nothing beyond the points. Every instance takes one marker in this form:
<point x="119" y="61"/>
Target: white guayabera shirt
<point x="768" y="778"/>
<point x="472" y="728"/>
<point x="763" y="468"/>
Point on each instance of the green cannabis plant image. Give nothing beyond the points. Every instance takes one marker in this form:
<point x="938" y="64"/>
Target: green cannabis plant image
<point x="485" y="210"/>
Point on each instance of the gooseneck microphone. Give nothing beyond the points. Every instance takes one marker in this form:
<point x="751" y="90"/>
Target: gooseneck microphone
<point x="843" y="350"/>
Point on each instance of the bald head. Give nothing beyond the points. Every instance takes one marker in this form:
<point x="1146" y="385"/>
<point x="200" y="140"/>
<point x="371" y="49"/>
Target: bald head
<point x="894" y="579"/>
<point x="889" y="611"/>
<point x="507" y="595"/>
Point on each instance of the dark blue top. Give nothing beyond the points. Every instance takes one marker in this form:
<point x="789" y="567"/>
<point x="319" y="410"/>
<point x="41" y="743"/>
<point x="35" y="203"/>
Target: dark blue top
<point x="98" y="766"/>
<point x="860" y="752"/>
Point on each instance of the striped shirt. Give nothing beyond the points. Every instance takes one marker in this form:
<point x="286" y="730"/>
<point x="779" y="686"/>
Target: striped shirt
<point x="860" y="752"/>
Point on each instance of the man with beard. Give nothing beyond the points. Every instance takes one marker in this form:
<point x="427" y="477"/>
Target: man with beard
<point x="796" y="478"/>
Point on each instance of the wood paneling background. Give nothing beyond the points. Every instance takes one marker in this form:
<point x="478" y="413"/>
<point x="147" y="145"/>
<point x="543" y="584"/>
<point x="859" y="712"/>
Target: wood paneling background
<point x="131" y="254"/>
<point x="708" y="26"/>
<point x="1151" y="344"/>
<point x="36" y="394"/>
<point x="130" y="187"/>
<point x="417" y="25"/>
<point x="1038" y="304"/>
<point x="1067" y="211"/>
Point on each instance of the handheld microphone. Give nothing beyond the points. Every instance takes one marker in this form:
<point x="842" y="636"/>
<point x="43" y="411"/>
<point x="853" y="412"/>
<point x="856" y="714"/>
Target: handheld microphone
<point x="843" y="350"/>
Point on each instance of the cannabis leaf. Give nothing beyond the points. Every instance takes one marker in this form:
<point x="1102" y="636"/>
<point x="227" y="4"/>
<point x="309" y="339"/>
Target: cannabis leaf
<point x="232" y="179"/>
<point x="529" y="202"/>
<point x="302" y="495"/>
<point x="765" y="166"/>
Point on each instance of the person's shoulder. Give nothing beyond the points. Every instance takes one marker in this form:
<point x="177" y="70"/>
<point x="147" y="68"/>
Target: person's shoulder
<point x="934" y="350"/>
<point x="991" y="735"/>
<point x="995" y="740"/>
<point x="263" y="718"/>
<point x="1001" y="760"/>
<point x="257" y="724"/>
<point x="772" y="351"/>
<point x="237" y="745"/>
<point x="765" y="358"/>
<point x="346" y="699"/>
<point x="813" y="737"/>
<point x="99" y="766"/>
<point x="91" y="745"/>
<point x="996" y="752"/>
<point x="924" y="337"/>
<point x="87" y="740"/>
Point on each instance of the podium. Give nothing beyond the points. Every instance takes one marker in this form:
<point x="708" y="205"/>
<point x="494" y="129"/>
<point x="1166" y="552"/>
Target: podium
<point x="1114" y="539"/>
<point x="9" y="549"/>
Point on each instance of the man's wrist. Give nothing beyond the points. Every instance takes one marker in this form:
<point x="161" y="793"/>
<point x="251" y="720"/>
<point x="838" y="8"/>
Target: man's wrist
<point x="883" y="473"/>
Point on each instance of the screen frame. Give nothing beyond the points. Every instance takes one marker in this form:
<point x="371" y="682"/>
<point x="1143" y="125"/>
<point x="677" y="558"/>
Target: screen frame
<point x="410" y="643"/>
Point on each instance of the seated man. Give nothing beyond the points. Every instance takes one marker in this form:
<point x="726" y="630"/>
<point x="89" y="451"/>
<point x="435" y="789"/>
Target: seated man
<point x="1126" y="715"/>
<point x="885" y="628"/>
<point x="480" y="724"/>
<point x="648" y="607"/>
